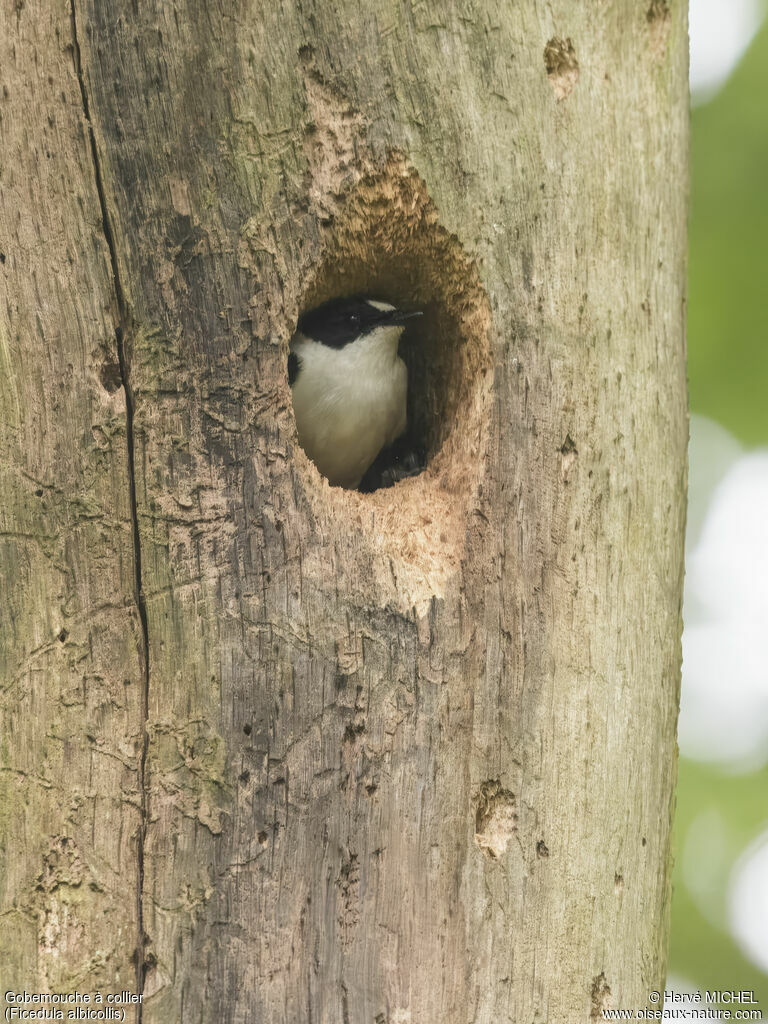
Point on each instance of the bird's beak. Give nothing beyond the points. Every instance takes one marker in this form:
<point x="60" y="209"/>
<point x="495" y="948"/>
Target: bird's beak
<point x="399" y="316"/>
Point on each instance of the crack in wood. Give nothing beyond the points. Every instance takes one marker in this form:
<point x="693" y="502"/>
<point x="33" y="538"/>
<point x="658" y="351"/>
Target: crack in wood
<point x="142" y="961"/>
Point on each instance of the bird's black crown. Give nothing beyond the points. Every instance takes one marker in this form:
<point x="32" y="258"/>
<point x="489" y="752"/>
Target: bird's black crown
<point x="340" y="321"/>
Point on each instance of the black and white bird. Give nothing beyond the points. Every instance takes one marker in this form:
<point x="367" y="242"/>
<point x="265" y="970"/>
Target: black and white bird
<point x="349" y="384"/>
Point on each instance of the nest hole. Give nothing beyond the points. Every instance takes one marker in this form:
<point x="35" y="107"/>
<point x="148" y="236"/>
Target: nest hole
<point x="386" y="243"/>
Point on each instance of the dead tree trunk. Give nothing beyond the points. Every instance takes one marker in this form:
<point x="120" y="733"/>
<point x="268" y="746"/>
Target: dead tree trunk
<point x="277" y="752"/>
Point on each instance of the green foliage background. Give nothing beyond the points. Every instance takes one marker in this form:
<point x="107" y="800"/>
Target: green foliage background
<point x="728" y="281"/>
<point x="728" y="376"/>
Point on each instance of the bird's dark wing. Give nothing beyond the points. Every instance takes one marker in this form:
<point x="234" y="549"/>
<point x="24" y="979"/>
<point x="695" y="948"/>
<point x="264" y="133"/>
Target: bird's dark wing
<point x="294" y="365"/>
<point x="401" y="460"/>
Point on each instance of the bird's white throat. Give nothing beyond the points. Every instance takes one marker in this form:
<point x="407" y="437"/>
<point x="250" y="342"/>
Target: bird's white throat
<point x="349" y="402"/>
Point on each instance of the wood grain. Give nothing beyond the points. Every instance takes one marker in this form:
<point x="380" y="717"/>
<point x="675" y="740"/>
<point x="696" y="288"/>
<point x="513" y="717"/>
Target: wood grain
<point x="70" y="636"/>
<point x="402" y="746"/>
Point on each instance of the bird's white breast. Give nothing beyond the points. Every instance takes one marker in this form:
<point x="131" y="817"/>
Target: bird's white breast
<point x="349" y="402"/>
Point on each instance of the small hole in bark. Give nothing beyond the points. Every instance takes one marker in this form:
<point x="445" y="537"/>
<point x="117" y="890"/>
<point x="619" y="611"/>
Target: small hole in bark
<point x="600" y="997"/>
<point x="62" y="635"/>
<point x="495" y="818"/>
<point x="352" y="732"/>
<point x="110" y="377"/>
<point x="562" y="66"/>
<point x="247" y="728"/>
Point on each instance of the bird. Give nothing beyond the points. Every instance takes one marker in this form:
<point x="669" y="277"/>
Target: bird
<point x="349" y="384"/>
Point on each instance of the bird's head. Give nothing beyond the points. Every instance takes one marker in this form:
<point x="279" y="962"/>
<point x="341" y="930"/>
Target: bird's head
<point x="342" y="322"/>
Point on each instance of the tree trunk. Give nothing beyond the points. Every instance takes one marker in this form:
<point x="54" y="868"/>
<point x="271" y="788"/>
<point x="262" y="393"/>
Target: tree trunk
<point x="280" y="752"/>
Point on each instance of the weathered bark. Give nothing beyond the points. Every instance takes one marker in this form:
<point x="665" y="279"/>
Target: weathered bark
<point x="409" y="756"/>
<point x="70" y="650"/>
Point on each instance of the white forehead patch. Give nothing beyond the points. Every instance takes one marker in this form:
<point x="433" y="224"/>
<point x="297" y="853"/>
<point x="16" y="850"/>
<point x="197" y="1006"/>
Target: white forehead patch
<point x="384" y="307"/>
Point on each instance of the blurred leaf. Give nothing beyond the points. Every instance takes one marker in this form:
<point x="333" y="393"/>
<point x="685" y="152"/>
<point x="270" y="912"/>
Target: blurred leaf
<point x="727" y="321"/>
<point x="700" y="952"/>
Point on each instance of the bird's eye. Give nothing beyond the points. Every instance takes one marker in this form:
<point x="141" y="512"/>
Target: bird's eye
<point x="354" y="319"/>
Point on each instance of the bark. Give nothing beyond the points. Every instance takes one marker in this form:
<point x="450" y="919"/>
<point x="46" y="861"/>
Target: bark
<point x="70" y="651"/>
<point x="399" y="757"/>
